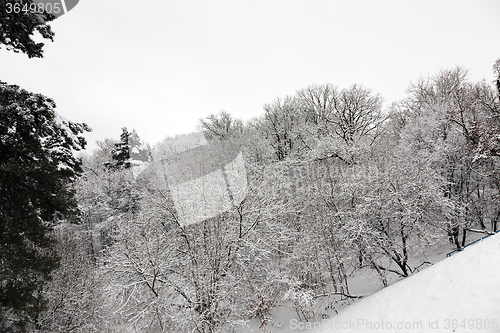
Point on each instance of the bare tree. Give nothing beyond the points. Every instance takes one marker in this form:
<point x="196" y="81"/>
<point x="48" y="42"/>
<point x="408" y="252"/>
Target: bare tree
<point x="281" y="121"/>
<point x="74" y="295"/>
<point x="358" y="114"/>
<point x="221" y="126"/>
<point x="403" y="212"/>
<point x="339" y="123"/>
<point x="318" y="102"/>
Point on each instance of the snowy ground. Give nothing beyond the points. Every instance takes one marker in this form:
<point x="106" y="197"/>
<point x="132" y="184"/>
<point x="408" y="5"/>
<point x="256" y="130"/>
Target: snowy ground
<point x="458" y="294"/>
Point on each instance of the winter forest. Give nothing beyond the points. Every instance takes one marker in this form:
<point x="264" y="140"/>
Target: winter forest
<point x="335" y="185"/>
<point x="328" y="185"/>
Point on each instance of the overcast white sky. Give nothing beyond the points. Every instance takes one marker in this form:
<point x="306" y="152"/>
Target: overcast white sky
<point x="160" y="66"/>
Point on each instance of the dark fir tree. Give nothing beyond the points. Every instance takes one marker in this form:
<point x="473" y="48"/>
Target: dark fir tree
<point x="496" y="70"/>
<point x="17" y="28"/>
<point x="127" y="149"/>
<point x="121" y="153"/>
<point x="37" y="167"/>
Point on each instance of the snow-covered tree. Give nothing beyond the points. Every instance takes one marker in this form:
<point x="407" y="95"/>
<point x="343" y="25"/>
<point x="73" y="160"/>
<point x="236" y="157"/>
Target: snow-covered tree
<point x="17" y="28"/>
<point x="170" y="274"/>
<point x="221" y="126"/>
<point x="37" y="167"/>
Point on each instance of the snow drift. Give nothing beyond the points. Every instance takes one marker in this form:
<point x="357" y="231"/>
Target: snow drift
<point x="458" y="294"/>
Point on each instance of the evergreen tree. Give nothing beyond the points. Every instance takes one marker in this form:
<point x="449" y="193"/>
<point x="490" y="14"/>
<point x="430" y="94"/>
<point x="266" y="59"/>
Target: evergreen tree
<point x="121" y="153"/>
<point x="496" y="70"/>
<point x="37" y="166"/>
<point x="17" y="28"/>
<point x="127" y="149"/>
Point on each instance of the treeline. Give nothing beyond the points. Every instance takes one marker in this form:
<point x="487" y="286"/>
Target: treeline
<point x="335" y="185"/>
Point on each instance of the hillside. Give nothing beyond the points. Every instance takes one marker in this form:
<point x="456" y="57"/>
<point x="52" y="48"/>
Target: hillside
<point x="458" y="294"/>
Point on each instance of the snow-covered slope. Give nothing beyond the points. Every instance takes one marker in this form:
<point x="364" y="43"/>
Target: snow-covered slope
<point x="458" y="294"/>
